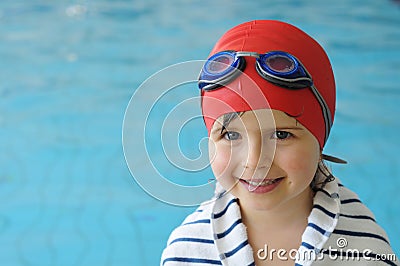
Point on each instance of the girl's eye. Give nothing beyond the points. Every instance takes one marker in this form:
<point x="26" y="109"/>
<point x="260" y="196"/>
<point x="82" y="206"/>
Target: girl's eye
<point x="282" y="135"/>
<point x="232" y="135"/>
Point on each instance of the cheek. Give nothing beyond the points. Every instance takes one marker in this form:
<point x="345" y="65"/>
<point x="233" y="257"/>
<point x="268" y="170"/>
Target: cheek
<point x="220" y="160"/>
<point x="301" y="162"/>
<point x="223" y="164"/>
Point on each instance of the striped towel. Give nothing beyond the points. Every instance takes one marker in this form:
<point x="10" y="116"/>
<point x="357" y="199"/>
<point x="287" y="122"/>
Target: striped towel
<point x="340" y="231"/>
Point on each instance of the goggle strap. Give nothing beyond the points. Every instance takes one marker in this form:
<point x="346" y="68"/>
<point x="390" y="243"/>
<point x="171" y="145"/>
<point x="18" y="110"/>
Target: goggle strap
<point x="325" y="110"/>
<point x="333" y="159"/>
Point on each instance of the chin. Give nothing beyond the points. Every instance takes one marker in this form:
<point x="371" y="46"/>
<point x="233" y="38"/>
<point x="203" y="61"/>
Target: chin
<point x="258" y="206"/>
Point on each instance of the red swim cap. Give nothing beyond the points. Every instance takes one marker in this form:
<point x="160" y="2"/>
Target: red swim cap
<point x="262" y="36"/>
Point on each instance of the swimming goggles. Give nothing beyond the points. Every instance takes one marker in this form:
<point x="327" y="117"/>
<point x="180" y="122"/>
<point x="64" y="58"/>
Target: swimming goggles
<point x="277" y="67"/>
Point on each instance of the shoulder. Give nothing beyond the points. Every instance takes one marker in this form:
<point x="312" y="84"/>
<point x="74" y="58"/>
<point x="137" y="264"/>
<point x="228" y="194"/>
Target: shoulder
<point x="196" y="224"/>
<point x="355" y="216"/>
<point x="358" y="230"/>
<point x="352" y="208"/>
<point x="192" y="241"/>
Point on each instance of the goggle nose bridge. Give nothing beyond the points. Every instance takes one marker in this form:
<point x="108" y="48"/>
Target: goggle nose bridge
<point x="244" y="53"/>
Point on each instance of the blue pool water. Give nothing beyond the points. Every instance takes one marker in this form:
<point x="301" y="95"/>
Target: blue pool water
<point x="68" y="70"/>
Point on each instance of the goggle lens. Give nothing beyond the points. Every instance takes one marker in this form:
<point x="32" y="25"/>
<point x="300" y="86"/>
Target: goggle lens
<point x="280" y="63"/>
<point x="219" y="64"/>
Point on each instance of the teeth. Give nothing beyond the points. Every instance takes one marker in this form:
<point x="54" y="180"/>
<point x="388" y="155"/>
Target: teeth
<point x="264" y="183"/>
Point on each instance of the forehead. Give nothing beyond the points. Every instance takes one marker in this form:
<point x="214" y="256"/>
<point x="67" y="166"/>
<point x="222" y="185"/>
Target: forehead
<point x="258" y="119"/>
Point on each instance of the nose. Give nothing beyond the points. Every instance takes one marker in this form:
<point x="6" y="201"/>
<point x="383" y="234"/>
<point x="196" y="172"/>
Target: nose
<point x="260" y="152"/>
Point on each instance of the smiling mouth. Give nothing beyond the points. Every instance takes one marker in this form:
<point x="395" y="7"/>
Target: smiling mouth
<point x="261" y="182"/>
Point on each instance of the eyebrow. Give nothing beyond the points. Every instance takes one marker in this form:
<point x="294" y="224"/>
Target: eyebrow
<point x="219" y="128"/>
<point x="291" y="128"/>
<point x="216" y="128"/>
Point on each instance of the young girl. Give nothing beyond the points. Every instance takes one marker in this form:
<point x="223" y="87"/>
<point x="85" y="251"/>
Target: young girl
<point x="268" y="102"/>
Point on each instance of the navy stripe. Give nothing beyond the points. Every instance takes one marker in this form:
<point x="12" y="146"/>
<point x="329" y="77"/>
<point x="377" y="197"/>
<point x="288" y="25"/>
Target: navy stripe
<point x="334" y="195"/>
<point x="306" y="245"/>
<point x="324" y="191"/>
<point x="364" y="217"/>
<point x="316" y="227"/>
<point x="232" y="252"/>
<point x="217" y="215"/>
<point x="190" y="239"/>
<point x="359" y="234"/>
<point x="252" y="264"/>
<point x="221" y="235"/>
<point x="192" y="260"/>
<point x="350" y="201"/>
<point x="319" y="207"/>
<point x="204" y="221"/>
<point x="349" y="254"/>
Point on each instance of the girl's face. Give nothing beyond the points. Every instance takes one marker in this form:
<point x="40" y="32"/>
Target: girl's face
<point x="264" y="164"/>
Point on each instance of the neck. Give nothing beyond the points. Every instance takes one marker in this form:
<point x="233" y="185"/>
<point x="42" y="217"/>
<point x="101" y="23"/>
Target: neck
<point x="292" y="213"/>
